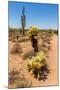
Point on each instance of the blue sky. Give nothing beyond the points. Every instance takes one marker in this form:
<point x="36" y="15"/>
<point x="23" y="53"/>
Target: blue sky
<point x="44" y="16"/>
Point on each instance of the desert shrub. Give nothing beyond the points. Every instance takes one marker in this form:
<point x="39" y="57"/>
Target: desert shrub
<point x="23" y="39"/>
<point x="17" y="80"/>
<point x="22" y="83"/>
<point x="46" y="41"/>
<point x="12" y="76"/>
<point x="56" y="32"/>
<point x="38" y="66"/>
<point x="46" y="46"/>
<point x="13" y="40"/>
<point x="16" y="48"/>
<point x="10" y="39"/>
<point x="28" y="54"/>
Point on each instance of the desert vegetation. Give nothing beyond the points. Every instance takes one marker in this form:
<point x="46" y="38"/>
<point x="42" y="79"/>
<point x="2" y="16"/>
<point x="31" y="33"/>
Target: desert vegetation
<point x="17" y="80"/>
<point x="31" y="56"/>
<point x="39" y="66"/>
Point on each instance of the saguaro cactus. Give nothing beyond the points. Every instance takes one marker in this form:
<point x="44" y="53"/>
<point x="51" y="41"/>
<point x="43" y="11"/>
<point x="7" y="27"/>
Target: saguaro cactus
<point x="23" y="20"/>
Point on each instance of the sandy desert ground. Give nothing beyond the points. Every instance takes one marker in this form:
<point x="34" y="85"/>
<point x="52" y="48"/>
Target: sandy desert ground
<point x="17" y="62"/>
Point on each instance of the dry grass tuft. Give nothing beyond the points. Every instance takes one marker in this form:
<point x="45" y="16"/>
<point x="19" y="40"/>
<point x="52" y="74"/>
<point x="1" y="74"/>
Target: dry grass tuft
<point x="16" y="48"/>
<point x="17" y="80"/>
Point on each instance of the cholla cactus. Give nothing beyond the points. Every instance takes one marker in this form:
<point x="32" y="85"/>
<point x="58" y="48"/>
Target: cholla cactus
<point x="37" y="61"/>
<point x="33" y="31"/>
<point x="38" y="66"/>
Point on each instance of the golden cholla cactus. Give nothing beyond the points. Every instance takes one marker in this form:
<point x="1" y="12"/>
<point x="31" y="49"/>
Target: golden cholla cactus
<point x="33" y="31"/>
<point x="37" y="61"/>
<point x="38" y="66"/>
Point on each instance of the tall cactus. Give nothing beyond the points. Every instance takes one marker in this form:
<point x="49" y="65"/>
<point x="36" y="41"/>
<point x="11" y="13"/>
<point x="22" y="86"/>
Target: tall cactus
<point x="23" y="20"/>
<point x="33" y="32"/>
